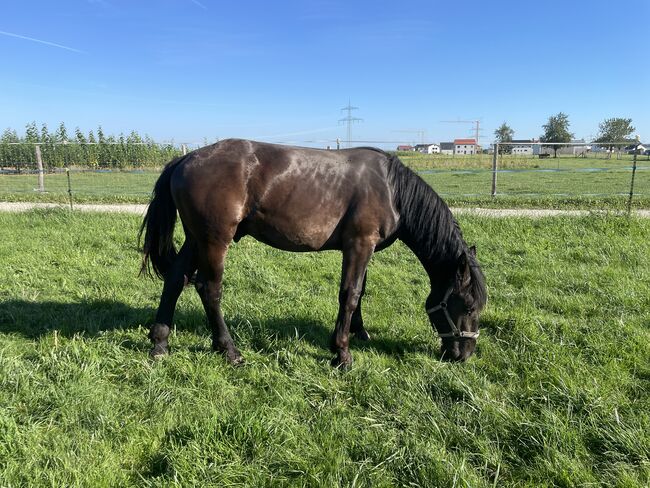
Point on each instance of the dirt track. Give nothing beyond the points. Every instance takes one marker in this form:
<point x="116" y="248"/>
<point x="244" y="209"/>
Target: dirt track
<point x="139" y="209"/>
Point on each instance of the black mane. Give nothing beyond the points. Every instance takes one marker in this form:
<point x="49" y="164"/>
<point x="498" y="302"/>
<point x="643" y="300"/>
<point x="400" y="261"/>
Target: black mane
<point x="430" y="226"/>
<point x="425" y="216"/>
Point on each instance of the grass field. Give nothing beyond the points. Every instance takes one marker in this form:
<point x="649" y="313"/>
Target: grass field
<point x="567" y="182"/>
<point x="557" y="394"/>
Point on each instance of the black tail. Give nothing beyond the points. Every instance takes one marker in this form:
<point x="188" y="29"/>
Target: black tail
<point x="158" y="249"/>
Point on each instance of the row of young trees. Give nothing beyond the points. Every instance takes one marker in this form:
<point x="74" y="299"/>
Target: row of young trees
<point x="59" y="149"/>
<point x="556" y="130"/>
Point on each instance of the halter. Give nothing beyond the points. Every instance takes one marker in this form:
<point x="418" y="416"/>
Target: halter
<point x="455" y="332"/>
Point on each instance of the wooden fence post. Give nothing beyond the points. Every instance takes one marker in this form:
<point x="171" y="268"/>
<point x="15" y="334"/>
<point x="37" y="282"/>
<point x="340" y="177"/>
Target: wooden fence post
<point x="494" y="170"/>
<point x="39" y="164"/>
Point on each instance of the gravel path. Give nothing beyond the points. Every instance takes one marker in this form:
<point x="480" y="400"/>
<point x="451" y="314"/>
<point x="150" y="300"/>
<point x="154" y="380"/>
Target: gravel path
<point x="139" y="209"/>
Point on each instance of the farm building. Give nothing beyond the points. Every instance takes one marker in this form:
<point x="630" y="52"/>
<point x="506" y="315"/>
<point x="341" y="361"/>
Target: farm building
<point x="447" y="148"/>
<point x="405" y="148"/>
<point x="525" y="146"/>
<point x="465" y="146"/>
<point x="428" y="148"/>
<point x="580" y="147"/>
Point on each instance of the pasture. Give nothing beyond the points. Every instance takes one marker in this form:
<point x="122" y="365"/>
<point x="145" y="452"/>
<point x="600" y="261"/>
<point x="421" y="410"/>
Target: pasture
<point x="565" y="182"/>
<point x="556" y="395"/>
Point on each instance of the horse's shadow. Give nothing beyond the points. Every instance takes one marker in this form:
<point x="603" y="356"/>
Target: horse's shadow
<point x="92" y="318"/>
<point x="318" y="334"/>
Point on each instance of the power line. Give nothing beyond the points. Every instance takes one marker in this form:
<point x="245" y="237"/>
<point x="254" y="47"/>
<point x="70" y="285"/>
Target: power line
<point x="477" y="124"/>
<point x="420" y="132"/>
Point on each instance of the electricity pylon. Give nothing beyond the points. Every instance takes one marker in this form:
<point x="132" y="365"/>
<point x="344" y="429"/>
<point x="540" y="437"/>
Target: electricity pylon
<point x="349" y="119"/>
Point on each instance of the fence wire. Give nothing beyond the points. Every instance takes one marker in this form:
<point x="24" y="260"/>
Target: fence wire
<point x="129" y="174"/>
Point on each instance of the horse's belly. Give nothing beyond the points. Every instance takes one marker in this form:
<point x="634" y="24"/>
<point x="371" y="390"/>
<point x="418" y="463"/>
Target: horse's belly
<point x="291" y="236"/>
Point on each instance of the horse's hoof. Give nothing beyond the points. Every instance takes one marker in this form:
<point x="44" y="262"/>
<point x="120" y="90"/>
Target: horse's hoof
<point x="235" y="360"/>
<point x="362" y="335"/>
<point x="158" y="352"/>
<point x="342" y="361"/>
<point x="234" y="357"/>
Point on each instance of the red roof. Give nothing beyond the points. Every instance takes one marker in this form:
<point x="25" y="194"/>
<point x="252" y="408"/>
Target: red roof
<point x="464" y="141"/>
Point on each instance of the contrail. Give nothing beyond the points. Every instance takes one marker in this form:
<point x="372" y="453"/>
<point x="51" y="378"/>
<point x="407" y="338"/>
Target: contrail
<point x="196" y="2"/>
<point x="48" y="43"/>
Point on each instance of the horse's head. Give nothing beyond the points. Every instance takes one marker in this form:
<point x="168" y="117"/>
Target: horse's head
<point x="455" y="314"/>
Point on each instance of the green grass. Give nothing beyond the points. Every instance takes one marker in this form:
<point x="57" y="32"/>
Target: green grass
<point x="132" y="186"/>
<point x="512" y="161"/>
<point x="566" y="182"/>
<point x="557" y="394"/>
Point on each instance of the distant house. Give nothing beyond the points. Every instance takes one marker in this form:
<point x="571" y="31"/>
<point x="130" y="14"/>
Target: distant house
<point x="405" y="148"/>
<point x="465" y="146"/>
<point x="447" y="148"/>
<point x="428" y="148"/>
<point x="522" y="147"/>
<point x="579" y="147"/>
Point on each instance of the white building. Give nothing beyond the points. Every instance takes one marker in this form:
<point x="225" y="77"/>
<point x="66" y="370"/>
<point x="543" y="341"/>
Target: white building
<point x="428" y="148"/>
<point x="465" y="146"/>
<point x="522" y="147"/>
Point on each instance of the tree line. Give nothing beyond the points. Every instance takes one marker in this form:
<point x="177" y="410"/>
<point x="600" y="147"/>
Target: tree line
<point x="92" y="150"/>
<point x="556" y="130"/>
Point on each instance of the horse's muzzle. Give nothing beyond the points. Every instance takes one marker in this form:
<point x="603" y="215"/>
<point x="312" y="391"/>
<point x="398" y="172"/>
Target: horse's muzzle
<point x="457" y="350"/>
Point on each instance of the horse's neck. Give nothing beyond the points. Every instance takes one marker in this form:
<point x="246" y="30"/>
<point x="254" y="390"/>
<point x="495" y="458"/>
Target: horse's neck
<point x="439" y="269"/>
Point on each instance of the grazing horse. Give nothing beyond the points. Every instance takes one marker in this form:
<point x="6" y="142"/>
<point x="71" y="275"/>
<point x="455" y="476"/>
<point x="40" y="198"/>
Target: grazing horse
<point x="357" y="201"/>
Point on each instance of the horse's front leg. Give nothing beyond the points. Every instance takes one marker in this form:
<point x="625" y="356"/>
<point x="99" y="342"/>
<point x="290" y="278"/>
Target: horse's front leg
<point x="355" y="262"/>
<point x="175" y="280"/>
<point x="356" y="325"/>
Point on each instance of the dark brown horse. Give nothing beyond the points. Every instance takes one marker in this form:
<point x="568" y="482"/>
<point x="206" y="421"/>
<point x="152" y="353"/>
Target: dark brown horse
<point x="357" y="201"/>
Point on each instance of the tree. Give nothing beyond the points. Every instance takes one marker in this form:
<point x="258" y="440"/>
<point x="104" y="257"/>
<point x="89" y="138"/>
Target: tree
<point x="61" y="133"/>
<point x="615" y="130"/>
<point x="504" y="134"/>
<point x="9" y="136"/>
<point x="79" y="136"/>
<point x="556" y="130"/>
<point x="31" y="133"/>
<point x="45" y="135"/>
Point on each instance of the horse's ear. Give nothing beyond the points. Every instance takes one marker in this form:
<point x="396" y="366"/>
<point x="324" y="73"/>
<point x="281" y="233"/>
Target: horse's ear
<point x="463" y="273"/>
<point x="472" y="251"/>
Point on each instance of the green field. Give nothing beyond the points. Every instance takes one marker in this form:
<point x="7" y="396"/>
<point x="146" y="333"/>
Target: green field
<point x="567" y="182"/>
<point x="556" y="395"/>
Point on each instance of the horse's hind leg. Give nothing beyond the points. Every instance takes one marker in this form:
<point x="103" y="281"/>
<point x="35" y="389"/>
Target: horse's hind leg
<point x="175" y="280"/>
<point x="356" y="325"/>
<point x="208" y="285"/>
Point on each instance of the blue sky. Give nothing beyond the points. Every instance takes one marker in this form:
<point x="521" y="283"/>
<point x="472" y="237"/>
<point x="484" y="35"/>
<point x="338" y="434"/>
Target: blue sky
<point x="281" y="71"/>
